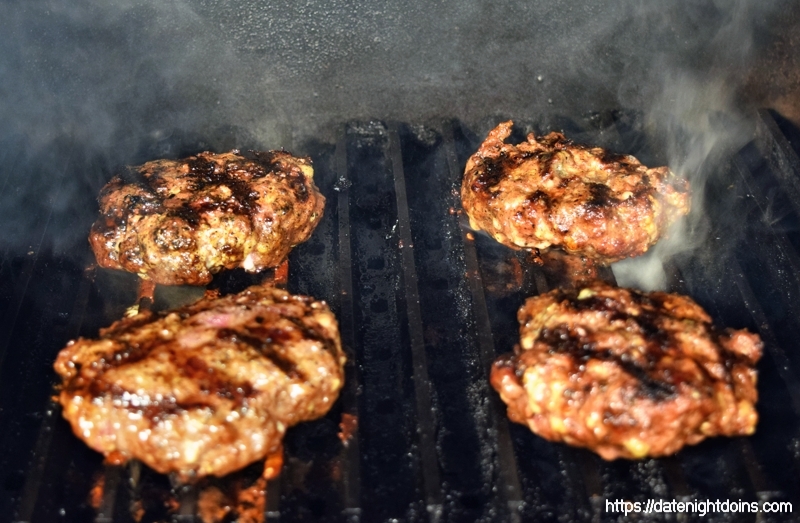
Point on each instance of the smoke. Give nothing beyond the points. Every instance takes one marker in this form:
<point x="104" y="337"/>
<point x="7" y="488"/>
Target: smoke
<point x="700" y="128"/>
<point x="695" y="113"/>
<point x="89" y="85"/>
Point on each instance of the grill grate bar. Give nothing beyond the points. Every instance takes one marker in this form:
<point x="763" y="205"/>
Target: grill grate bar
<point x="272" y="507"/>
<point x="349" y="457"/>
<point x="676" y="478"/>
<point x="274" y="487"/>
<point x="41" y="452"/>
<point x="507" y="463"/>
<point x="778" y="237"/>
<point x="135" y="481"/>
<point x="745" y="470"/>
<point x="427" y="439"/>
<point x="764" y="487"/>
<point x="741" y="448"/>
<point x="113" y="477"/>
<point x="584" y="467"/>
<point x="589" y="468"/>
<point x="760" y="482"/>
<point x="779" y="153"/>
<point x="187" y="501"/>
<point x="583" y="486"/>
<point x="674" y="470"/>
<point x="765" y="330"/>
<point x="7" y="146"/>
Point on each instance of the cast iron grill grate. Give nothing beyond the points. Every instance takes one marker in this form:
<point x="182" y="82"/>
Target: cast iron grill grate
<point x="424" y="308"/>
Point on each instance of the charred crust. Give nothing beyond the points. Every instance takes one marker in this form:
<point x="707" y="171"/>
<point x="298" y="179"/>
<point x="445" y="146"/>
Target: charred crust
<point x="204" y="368"/>
<point x="680" y="185"/>
<point x="491" y="171"/>
<point x="211" y="383"/>
<point x="610" y="158"/>
<point x="203" y="171"/>
<point x="540" y="196"/>
<point x="311" y="333"/>
<point x="547" y="164"/>
<point x="206" y="174"/>
<point x="610" y="307"/>
<point x="263" y="206"/>
<point x="652" y="385"/>
<point x="647" y="319"/>
<point x="298" y="183"/>
<point x="266" y="345"/>
<point x="273" y="162"/>
<point x="563" y="340"/>
<point x="600" y="196"/>
<point x="606" y="202"/>
<point x="628" y="374"/>
<point x="132" y="176"/>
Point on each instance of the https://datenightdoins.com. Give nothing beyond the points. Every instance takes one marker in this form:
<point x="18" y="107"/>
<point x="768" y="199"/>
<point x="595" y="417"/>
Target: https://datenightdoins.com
<point x="701" y="507"/>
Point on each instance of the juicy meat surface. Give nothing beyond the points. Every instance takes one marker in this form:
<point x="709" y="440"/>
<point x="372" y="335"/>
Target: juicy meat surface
<point x="181" y="221"/>
<point x="205" y="389"/>
<point x="553" y="193"/>
<point x="627" y="374"/>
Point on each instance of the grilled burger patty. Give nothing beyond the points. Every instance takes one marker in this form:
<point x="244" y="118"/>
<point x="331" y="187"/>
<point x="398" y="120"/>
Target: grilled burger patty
<point x="205" y="389"/>
<point x="181" y="221"/>
<point x="552" y="193"/>
<point x="627" y="374"/>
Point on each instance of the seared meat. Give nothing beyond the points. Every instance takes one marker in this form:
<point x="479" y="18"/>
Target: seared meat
<point x="205" y="389"/>
<point x="627" y="374"/>
<point x="551" y="192"/>
<point x="179" y="222"/>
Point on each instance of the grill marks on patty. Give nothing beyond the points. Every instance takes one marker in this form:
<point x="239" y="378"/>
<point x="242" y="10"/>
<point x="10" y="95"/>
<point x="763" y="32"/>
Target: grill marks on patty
<point x="627" y="374"/>
<point x="267" y="341"/>
<point x="563" y="340"/>
<point x="647" y="321"/>
<point x="181" y="221"/>
<point x="549" y="192"/>
<point x="207" y="388"/>
<point x="202" y="175"/>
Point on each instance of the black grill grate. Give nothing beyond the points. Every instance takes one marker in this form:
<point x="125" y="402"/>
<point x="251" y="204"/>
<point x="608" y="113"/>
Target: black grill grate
<point x="424" y="307"/>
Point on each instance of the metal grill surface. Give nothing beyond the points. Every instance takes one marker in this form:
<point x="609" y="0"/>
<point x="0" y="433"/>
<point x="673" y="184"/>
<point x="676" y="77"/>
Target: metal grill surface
<point x="424" y="308"/>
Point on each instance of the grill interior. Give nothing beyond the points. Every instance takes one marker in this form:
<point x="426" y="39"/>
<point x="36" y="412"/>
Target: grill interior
<point x="424" y="308"/>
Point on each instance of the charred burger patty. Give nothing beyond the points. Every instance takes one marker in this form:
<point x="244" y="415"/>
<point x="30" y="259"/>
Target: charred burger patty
<point x="181" y="221"/>
<point x="205" y="389"/>
<point x="627" y="374"/>
<point x="553" y="193"/>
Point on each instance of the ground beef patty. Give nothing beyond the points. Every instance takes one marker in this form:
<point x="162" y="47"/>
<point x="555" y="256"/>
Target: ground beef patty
<point x="627" y="374"/>
<point x="552" y="193"/>
<point x="180" y="221"/>
<point x="205" y="389"/>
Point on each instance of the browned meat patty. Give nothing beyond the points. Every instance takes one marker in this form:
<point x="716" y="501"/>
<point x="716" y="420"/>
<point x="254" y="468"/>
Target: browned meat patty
<point x="181" y="221"/>
<point x="627" y="374"/>
<point x="552" y="193"/>
<point x="205" y="389"/>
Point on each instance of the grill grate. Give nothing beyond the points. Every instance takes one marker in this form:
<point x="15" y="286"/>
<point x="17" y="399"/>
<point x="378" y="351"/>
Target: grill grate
<point x="424" y="307"/>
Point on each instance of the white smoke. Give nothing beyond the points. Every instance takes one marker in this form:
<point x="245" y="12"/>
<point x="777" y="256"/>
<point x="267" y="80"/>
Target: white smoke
<point x="110" y="78"/>
<point x="695" y="116"/>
